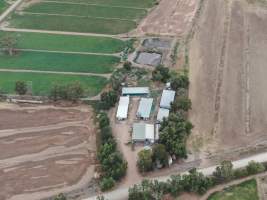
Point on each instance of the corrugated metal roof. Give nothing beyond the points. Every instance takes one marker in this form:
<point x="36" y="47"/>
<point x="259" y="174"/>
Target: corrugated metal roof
<point x="135" y="90"/>
<point x="122" y="111"/>
<point x="142" y="131"/>
<point x="163" y="112"/>
<point x="144" y="108"/>
<point x="167" y="98"/>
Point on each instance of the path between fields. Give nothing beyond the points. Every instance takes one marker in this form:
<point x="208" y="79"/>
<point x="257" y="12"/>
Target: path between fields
<point x="10" y="9"/>
<point x="55" y="72"/>
<point x="122" y="192"/>
<point x="72" y="52"/>
<point x="121" y="36"/>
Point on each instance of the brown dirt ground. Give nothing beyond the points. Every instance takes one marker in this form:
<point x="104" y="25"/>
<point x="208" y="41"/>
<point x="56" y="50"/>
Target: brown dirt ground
<point x="227" y="74"/>
<point x="170" y="17"/>
<point x="45" y="150"/>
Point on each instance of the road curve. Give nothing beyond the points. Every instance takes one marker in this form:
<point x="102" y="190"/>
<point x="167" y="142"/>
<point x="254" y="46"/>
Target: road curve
<point x="122" y="193"/>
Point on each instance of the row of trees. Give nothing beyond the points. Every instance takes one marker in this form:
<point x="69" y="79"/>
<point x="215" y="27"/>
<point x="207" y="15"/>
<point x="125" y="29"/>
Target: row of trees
<point x="113" y="165"/>
<point x="193" y="182"/>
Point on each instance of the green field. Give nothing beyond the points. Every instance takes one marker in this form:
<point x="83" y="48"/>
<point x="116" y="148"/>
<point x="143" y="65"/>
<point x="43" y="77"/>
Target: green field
<point x="86" y="10"/>
<point x="245" y="191"/>
<point x="60" y="62"/>
<point x="126" y="3"/>
<point x="3" y="6"/>
<point x="71" y="24"/>
<point x="41" y="83"/>
<point x="54" y="42"/>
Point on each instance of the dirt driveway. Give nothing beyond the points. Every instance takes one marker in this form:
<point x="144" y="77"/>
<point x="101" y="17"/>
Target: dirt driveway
<point x="44" y="150"/>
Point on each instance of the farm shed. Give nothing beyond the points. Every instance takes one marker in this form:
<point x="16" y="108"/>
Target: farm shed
<point x="122" y="111"/>
<point x="144" y="108"/>
<point x="167" y="98"/>
<point x="143" y="132"/>
<point x="135" y="91"/>
<point x="163" y="113"/>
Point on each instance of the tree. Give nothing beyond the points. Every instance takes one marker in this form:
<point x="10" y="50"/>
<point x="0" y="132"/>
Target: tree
<point x="175" y="185"/>
<point x="127" y="65"/>
<point x="181" y="103"/>
<point x="107" y="183"/>
<point x="74" y="91"/>
<point x="181" y="81"/>
<point x="159" y="154"/>
<point x="8" y="43"/>
<point x="141" y="191"/>
<point x="21" y="87"/>
<point x="108" y="99"/>
<point x="60" y="197"/>
<point x="255" y="167"/>
<point x="144" y="162"/>
<point x="224" y="172"/>
<point x="161" y="74"/>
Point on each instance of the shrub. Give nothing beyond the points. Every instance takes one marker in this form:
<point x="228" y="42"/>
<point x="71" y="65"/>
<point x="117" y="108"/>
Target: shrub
<point x="60" y="197"/>
<point x="255" y="168"/>
<point x="181" y="81"/>
<point x="160" y="154"/>
<point x="21" y="87"/>
<point x="127" y="65"/>
<point x="161" y="74"/>
<point x="145" y="162"/>
<point x="108" y="100"/>
<point x="224" y="172"/>
<point x="107" y="183"/>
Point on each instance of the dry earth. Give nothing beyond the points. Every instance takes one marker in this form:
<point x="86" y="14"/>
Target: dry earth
<point x="44" y="150"/>
<point x="228" y="77"/>
<point x="170" y="18"/>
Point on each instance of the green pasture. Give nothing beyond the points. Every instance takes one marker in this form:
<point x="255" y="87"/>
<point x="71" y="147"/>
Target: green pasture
<point x="42" y="83"/>
<point x="71" y="43"/>
<point x="86" y="10"/>
<point x="71" y="24"/>
<point x="3" y="6"/>
<point x="244" y="191"/>
<point x="61" y="62"/>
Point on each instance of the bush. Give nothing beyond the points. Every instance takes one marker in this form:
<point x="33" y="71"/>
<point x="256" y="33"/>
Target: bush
<point x="181" y="103"/>
<point x="181" y="81"/>
<point x="145" y="162"/>
<point x="224" y="172"/>
<point x="103" y="120"/>
<point x="70" y="92"/>
<point x="107" y="183"/>
<point x="160" y="154"/>
<point x="255" y="168"/>
<point x="60" y="197"/>
<point x="127" y="65"/>
<point x="240" y="173"/>
<point x="108" y="100"/>
<point x="21" y="87"/>
<point x="161" y="74"/>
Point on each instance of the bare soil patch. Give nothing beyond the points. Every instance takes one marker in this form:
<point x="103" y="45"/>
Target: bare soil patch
<point x="170" y="17"/>
<point x="227" y="73"/>
<point x="45" y="150"/>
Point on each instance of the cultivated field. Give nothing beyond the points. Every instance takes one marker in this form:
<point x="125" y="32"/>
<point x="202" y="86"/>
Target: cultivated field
<point x="3" y="6"/>
<point x="44" y="149"/>
<point x="105" y="17"/>
<point x="227" y="72"/>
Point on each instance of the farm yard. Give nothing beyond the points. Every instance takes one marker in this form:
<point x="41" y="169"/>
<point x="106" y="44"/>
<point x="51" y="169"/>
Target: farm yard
<point x="104" y="17"/>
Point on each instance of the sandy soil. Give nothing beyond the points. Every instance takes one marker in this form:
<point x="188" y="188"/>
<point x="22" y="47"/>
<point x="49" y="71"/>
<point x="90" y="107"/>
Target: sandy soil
<point x="44" y="150"/>
<point x="227" y="74"/>
<point x="170" y="17"/>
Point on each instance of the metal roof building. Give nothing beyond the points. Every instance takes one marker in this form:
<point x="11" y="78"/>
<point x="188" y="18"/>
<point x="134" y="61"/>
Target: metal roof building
<point x="122" y="111"/>
<point x="143" y="132"/>
<point x="167" y="98"/>
<point x="144" y="108"/>
<point x="135" y="91"/>
<point x="163" y="113"/>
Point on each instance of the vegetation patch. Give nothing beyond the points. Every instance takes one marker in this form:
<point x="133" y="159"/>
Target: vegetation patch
<point x="71" y="43"/>
<point x="86" y="10"/>
<point x="72" y="24"/>
<point x="3" y="6"/>
<point x="41" y="84"/>
<point x="244" y="191"/>
<point x="60" y="62"/>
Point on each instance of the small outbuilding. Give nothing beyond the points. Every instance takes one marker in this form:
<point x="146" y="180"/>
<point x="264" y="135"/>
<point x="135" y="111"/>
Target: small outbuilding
<point x="122" y="111"/>
<point x="163" y="113"/>
<point x="143" y="132"/>
<point x="167" y="98"/>
<point x="144" y="108"/>
<point x="135" y="91"/>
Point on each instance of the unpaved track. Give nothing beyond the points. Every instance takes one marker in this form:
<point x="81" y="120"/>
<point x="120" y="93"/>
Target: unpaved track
<point x="54" y="72"/>
<point x="10" y="9"/>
